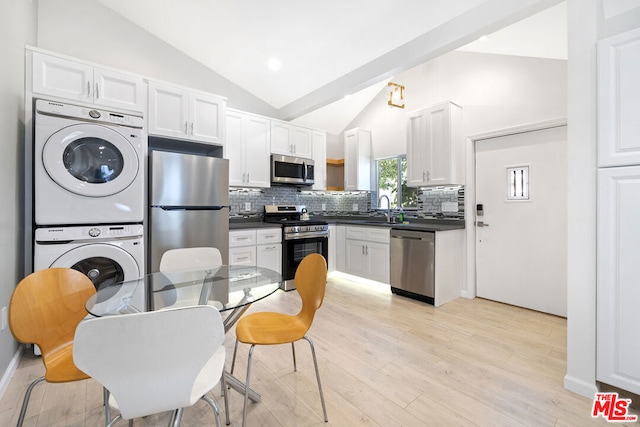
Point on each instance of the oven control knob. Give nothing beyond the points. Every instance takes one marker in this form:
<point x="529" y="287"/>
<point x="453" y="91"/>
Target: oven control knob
<point x="295" y="229"/>
<point x="94" y="232"/>
<point x="94" y="114"/>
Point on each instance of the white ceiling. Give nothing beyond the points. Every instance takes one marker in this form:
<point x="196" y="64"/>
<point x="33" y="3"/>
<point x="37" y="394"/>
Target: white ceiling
<point x="321" y="44"/>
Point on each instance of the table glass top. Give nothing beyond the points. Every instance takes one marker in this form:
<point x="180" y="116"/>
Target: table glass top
<point x="227" y="287"/>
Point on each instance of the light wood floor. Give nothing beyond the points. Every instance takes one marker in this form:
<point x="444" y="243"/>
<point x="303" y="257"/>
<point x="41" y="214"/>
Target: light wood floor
<point x="384" y="361"/>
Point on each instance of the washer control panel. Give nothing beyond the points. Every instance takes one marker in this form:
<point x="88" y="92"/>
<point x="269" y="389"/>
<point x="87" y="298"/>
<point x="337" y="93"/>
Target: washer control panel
<point x="88" y="232"/>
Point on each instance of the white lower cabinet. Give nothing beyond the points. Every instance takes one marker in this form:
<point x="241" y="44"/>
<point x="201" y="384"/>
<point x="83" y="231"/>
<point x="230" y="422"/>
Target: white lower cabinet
<point x="367" y="252"/>
<point x="260" y="247"/>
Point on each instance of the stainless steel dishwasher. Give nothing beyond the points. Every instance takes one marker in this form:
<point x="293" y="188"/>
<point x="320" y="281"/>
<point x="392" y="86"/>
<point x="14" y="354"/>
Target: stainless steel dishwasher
<point x="413" y="257"/>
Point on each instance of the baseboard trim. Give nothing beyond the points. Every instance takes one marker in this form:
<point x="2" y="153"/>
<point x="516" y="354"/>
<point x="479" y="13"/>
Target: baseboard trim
<point x="580" y="387"/>
<point x="11" y="369"/>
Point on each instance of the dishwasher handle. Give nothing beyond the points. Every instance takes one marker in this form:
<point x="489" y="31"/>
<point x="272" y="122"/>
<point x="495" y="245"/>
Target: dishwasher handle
<point x="407" y="237"/>
<point x="412" y="235"/>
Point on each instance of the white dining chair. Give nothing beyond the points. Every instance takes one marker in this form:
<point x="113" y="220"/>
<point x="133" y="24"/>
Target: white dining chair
<point x="155" y="361"/>
<point x="182" y="259"/>
<point x="185" y="259"/>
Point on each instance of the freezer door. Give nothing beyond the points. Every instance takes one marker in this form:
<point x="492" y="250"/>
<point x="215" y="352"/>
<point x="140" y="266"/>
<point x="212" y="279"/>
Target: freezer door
<point x="171" y="229"/>
<point x="188" y="180"/>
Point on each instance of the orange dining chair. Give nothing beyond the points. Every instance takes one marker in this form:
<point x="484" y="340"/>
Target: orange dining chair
<point x="268" y="328"/>
<point x="45" y="309"/>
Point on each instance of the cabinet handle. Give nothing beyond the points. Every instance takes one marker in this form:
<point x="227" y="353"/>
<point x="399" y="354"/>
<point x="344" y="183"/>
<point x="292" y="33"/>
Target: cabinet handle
<point x="242" y="258"/>
<point x="97" y="92"/>
<point x="248" y="175"/>
<point x="186" y="128"/>
<point x="366" y="252"/>
<point x="89" y="89"/>
<point x="362" y="249"/>
<point x="428" y="176"/>
<point x="270" y="248"/>
<point x="191" y="128"/>
<point x="424" y="175"/>
<point x="242" y="238"/>
<point x="269" y="236"/>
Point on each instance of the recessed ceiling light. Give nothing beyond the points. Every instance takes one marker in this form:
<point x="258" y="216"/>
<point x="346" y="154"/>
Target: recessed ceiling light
<point x="274" y="64"/>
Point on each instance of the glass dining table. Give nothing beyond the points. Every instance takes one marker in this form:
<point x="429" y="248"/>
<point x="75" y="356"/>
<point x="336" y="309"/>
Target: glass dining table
<point x="231" y="288"/>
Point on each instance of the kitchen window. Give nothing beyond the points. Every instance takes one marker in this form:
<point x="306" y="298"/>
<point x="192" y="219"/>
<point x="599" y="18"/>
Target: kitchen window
<point x="391" y="176"/>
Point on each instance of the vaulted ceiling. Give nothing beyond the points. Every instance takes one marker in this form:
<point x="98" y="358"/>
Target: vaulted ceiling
<point x="303" y="57"/>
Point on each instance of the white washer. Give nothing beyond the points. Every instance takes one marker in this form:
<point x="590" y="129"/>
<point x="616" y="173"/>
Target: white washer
<point x="88" y="165"/>
<point x="107" y="254"/>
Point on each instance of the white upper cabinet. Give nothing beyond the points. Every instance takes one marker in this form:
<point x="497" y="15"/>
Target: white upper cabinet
<point x="435" y="146"/>
<point x="319" y="146"/>
<point x="618" y="95"/>
<point x="290" y="140"/>
<point x="77" y="81"/>
<point x="247" y="148"/>
<point x="357" y="160"/>
<point x="185" y="114"/>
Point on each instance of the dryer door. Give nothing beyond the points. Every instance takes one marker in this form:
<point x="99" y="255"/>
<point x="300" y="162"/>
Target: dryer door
<point x="104" y="264"/>
<point x="90" y="160"/>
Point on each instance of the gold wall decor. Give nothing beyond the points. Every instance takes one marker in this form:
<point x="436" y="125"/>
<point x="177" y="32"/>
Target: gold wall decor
<point x="396" y="95"/>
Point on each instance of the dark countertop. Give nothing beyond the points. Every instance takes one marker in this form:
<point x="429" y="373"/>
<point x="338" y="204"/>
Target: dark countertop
<point x="240" y="223"/>
<point x="414" y="224"/>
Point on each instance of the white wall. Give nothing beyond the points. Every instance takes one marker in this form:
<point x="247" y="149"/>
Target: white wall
<point x="17" y="28"/>
<point x="495" y="91"/>
<point x="88" y="30"/>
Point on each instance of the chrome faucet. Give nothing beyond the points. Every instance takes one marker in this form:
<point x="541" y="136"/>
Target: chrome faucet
<point x="388" y="213"/>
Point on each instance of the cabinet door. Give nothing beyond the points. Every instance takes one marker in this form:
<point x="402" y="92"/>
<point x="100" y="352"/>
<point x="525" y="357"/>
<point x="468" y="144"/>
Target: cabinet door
<point x="350" y="160"/>
<point x="416" y="146"/>
<point x="168" y="111"/>
<point x="270" y="256"/>
<point x="281" y="142"/>
<point x="118" y="90"/>
<point x="356" y="260"/>
<point x="319" y="146"/>
<point x="618" y="289"/>
<point x="257" y="158"/>
<point x="245" y="255"/>
<point x="378" y="260"/>
<point x="235" y="148"/>
<point x="206" y="114"/>
<point x="437" y="147"/>
<point x="618" y="95"/>
<point x="62" y="78"/>
<point x="301" y="141"/>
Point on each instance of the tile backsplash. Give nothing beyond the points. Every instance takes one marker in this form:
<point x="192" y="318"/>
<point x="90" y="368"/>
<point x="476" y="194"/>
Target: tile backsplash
<point x="315" y="201"/>
<point x="433" y="202"/>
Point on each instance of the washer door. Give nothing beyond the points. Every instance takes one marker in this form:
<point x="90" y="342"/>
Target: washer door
<point x="104" y="264"/>
<point x="90" y="160"/>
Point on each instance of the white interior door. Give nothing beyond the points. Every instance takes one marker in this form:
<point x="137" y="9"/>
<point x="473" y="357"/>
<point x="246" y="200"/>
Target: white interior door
<point x="521" y="237"/>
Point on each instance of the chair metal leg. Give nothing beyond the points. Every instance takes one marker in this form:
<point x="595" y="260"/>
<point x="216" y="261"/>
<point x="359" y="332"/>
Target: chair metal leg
<point x="107" y="408"/>
<point x="223" y="381"/>
<point x="115" y="420"/>
<point x="246" y="385"/>
<point x="25" y="402"/>
<point x="213" y="405"/>
<point x="315" y="362"/>
<point x="178" y="417"/>
<point x="293" y="351"/>
<point x="233" y="361"/>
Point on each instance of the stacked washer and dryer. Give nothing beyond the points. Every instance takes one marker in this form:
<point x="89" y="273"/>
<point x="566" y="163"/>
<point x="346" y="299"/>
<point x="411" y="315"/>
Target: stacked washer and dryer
<point x="89" y="191"/>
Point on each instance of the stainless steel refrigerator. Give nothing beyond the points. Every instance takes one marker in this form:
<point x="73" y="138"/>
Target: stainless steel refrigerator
<point x="189" y="204"/>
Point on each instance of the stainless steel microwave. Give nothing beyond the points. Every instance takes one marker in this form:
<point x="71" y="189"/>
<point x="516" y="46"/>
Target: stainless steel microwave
<point x="287" y="170"/>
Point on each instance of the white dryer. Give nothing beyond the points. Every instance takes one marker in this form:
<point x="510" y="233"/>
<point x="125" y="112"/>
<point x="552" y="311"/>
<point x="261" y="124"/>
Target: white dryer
<point x="88" y="165"/>
<point x="107" y="254"/>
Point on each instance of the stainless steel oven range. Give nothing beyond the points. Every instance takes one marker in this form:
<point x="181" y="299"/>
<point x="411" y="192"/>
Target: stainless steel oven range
<point x="299" y="238"/>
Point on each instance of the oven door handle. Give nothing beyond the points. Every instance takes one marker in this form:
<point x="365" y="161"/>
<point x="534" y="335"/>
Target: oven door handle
<point x="312" y="234"/>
